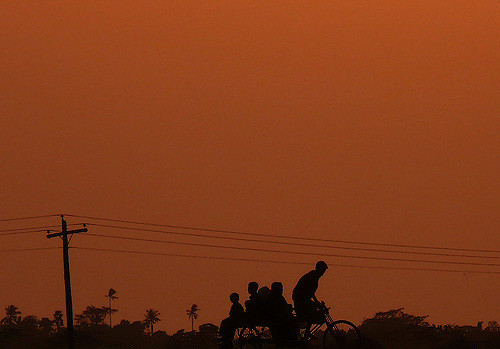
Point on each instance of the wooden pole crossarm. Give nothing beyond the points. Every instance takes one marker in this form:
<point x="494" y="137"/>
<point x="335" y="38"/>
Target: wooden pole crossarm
<point x="76" y="231"/>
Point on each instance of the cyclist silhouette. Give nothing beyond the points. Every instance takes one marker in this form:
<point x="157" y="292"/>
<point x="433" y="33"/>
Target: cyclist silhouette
<point x="307" y="306"/>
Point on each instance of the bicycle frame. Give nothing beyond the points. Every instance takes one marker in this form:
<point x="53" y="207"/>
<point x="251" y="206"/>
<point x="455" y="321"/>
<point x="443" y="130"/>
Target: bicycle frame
<point x="328" y="320"/>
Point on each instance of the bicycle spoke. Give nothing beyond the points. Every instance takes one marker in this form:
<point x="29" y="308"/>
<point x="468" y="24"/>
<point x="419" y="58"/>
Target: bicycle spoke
<point x="341" y="334"/>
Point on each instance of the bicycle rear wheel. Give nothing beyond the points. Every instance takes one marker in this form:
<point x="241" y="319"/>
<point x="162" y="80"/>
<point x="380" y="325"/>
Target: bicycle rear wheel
<point x="341" y="334"/>
<point x="249" y="338"/>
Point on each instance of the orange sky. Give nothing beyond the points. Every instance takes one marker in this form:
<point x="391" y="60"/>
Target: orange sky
<point x="349" y="120"/>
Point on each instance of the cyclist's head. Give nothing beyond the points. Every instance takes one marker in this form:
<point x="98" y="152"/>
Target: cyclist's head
<point x="277" y="288"/>
<point x="321" y="267"/>
<point x="234" y="297"/>
<point x="253" y="287"/>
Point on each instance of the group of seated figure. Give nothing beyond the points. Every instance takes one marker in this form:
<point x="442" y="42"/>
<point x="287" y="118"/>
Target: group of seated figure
<point x="267" y="307"/>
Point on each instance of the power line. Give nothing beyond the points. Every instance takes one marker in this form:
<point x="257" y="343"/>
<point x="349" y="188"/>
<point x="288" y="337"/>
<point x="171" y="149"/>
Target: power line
<point x="31" y="249"/>
<point x="20" y="231"/>
<point x="31" y="228"/>
<point x="26" y="230"/>
<point x="29" y="217"/>
<point x="279" y="262"/>
<point x="40" y="228"/>
<point x="282" y="236"/>
<point x="290" y="252"/>
<point x="23" y="232"/>
<point x="291" y="243"/>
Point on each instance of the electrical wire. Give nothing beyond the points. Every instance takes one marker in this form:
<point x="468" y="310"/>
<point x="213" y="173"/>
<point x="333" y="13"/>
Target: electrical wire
<point x="29" y="217"/>
<point x="31" y="249"/>
<point x="281" y="236"/>
<point x="30" y="228"/>
<point x="20" y="231"/>
<point x="291" y="243"/>
<point x="289" y="252"/>
<point x="278" y="262"/>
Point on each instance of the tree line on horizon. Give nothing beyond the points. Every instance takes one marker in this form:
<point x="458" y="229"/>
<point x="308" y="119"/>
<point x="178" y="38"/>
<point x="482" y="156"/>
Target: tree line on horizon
<point x="389" y="329"/>
<point x="18" y="331"/>
<point x="92" y="330"/>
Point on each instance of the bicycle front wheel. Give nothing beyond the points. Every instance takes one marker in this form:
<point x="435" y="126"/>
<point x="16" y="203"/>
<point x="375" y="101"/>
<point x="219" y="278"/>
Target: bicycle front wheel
<point x="341" y="334"/>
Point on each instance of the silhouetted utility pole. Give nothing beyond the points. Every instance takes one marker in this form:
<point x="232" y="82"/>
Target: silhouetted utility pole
<point x="67" y="280"/>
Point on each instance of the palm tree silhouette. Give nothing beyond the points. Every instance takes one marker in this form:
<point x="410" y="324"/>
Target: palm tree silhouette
<point x="12" y="317"/>
<point x="111" y="296"/>
<point x="151" y="318"/>
<point x="193" y="314"/>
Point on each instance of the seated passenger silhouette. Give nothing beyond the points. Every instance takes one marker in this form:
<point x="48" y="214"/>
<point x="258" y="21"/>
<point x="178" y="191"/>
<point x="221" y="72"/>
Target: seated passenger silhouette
<point x="307" y="306"/>
<point x="229" y="325"/>
<point x="254" y="304"/>
<point x="284" y="327"/>
<point x="263" y="295"/>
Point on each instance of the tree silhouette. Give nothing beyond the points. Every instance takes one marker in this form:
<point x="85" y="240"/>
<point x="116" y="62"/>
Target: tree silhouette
<point x="396" y="326"/>
<point x="12" y="316"/>
<point x="111" y="296"/>
<point x="29" y="324"/>
<point x="81" y="320"/>
<point x="151" y="318"/>
<point x="45" y="325"/>
<point x="193" y="314"/>
<point x="493" y="326"/>
<point x="92" y="315"/>
<point x="58" y="320"/>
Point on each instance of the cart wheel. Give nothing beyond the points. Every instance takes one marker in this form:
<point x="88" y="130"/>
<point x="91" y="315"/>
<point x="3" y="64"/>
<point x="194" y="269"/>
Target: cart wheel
<point x="249" y="338"/>
<point x="341" y="334"/>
